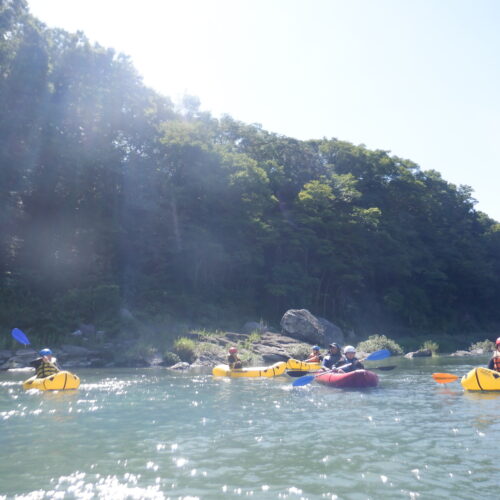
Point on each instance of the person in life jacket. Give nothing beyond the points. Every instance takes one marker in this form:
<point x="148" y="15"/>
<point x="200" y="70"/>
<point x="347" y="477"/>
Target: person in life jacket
<point x="333" y="357"/>
<point x="350" y="363"/>
<point x="233" y="359"/>
<point x="315" y="356"/>
<point x="46" y="364"/>
<point x="494" y="363"/>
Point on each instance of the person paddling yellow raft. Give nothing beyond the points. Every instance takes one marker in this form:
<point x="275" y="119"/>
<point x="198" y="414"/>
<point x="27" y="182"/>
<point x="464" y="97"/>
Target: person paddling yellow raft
<point x="478" y="379"/>
<point x="234" y="368"/>
<point x="49" y="377"/>
<point x="60" y="381"/>
<point x="251" y="372"/>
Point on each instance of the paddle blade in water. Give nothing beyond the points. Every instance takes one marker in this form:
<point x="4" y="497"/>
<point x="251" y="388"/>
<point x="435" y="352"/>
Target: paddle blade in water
<point x="19" y="336"/>
<point x="375" y="356"/>
<point x="384" y="368"/>
<point x="444" y="378"/>
<point x="303" y="380"/>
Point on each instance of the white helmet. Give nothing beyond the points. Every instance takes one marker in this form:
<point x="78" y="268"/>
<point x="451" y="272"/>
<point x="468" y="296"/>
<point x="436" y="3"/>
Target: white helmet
<point x="349" y="348"/>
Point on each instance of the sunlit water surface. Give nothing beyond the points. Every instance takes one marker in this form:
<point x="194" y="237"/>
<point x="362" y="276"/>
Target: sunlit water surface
<point x="158" y="434"/>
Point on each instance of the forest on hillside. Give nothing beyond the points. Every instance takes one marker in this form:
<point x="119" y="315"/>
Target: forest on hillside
<point x="111" y="197"/>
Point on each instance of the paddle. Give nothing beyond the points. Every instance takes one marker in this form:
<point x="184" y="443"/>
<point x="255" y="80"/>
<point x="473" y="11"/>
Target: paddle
<point x="20" y="336"/>
<point x="300" y="373"/>
<point x="374" y="356"/>
<point x="444" y="378"/>
<point x="23" y="339"/>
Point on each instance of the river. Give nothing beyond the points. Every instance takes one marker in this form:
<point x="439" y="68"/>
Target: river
<point x="152" y="433"/>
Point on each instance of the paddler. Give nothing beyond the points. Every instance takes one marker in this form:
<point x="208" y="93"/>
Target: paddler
<point x="494" y="363"/>
<point x="333" y="356"/>
<point x="233" y="360"/>
<point x="351" y="363"/>
<point x="315" y="356"/>
<point x="46" y="364"/>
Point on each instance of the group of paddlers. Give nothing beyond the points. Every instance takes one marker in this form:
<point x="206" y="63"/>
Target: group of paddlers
<point x="333" y="360"/>
<point x="336" y="361"/>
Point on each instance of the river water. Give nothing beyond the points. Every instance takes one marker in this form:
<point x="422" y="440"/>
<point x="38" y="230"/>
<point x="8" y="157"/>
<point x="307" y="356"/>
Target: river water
<point x="151" y="433"/>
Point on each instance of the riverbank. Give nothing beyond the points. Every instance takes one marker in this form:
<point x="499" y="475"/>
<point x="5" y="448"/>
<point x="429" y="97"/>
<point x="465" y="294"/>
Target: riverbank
<point x="193" y="351"/>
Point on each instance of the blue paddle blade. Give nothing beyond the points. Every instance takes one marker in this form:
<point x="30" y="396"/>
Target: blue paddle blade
<point x="19" y="336"/>
<point x="306" y="379"/>
<point x="377" y="355"/>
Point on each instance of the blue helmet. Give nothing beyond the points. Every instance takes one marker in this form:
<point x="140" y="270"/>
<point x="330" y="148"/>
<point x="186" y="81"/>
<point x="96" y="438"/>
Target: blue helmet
<point x="45" y="352"/>
<point x="316" y="348"/>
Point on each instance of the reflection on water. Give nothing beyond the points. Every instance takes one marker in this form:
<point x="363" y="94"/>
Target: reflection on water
<point x="157" y="434"/>
<point x="478" y="396"/>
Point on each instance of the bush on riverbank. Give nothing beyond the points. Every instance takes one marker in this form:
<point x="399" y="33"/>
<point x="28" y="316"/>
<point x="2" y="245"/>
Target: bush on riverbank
<point x="484" y="345"/>
<point x="170" y="358"/>
<point x="300" y="351"/>
<point x="377" y="342"/>
<point x="430" y="345"/>
<point x="185" y="349"/>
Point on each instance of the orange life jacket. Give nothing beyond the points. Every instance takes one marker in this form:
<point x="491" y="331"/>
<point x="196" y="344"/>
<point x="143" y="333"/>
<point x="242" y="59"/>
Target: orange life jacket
<point x="496" y="363"/>
<point x="314" y="358"/>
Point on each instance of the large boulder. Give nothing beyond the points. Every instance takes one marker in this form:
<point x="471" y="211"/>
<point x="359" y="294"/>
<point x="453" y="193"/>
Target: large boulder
<point x="332" y="332"/>
<point x="181" y="366"/>
<point x="301" y="324"/>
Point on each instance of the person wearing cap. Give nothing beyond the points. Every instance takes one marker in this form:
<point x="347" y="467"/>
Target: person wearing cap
<point x="333" y="357"/>
<point x="350" y="363"/>
<point x="315" y="356"/>
<point x="233" y="359"/>
<point x="494" y="363"/>
<point x="45" y="365"/>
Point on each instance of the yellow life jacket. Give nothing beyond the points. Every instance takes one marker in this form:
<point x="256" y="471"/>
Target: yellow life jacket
<point x="46" y="369"/>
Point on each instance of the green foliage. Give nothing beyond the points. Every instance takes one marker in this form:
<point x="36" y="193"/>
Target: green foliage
<point x="207" y="333"/>
<point x="431" y="346"/>
<point x="109" y="197"/>
<point x="139" y="351"/>
<point x="208" y="348"/>
<point x="485" y="345"/>
<point x="409" y="344"/>
<point x="250" y="340"/>
<point x="299" y="351"/>
<point x="170" y="358"/>
<point x="450" y="343"/>
<point x="90" y="305"/>
<point x="254" y="337"/>
<point x="377" y="342"/>
<point x="185" y="348"/>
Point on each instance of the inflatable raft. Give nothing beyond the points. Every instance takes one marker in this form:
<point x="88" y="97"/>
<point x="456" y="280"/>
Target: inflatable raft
<point x="256" y="371"/>
<point x="356" y="379"/>
<point x="481" y="379"/>
<point x="295" y="364"/>
<point x="60" y="381"/>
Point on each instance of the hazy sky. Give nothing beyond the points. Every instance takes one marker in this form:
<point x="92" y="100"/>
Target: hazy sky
<point x="419" y="78"/>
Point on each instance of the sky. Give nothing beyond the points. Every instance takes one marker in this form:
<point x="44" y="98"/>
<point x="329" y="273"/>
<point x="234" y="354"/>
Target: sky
<point x="417" y="78"/>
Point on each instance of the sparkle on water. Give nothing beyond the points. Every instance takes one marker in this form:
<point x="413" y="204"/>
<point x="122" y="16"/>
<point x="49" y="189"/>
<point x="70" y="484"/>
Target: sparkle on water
<point x="157" y="434"/>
